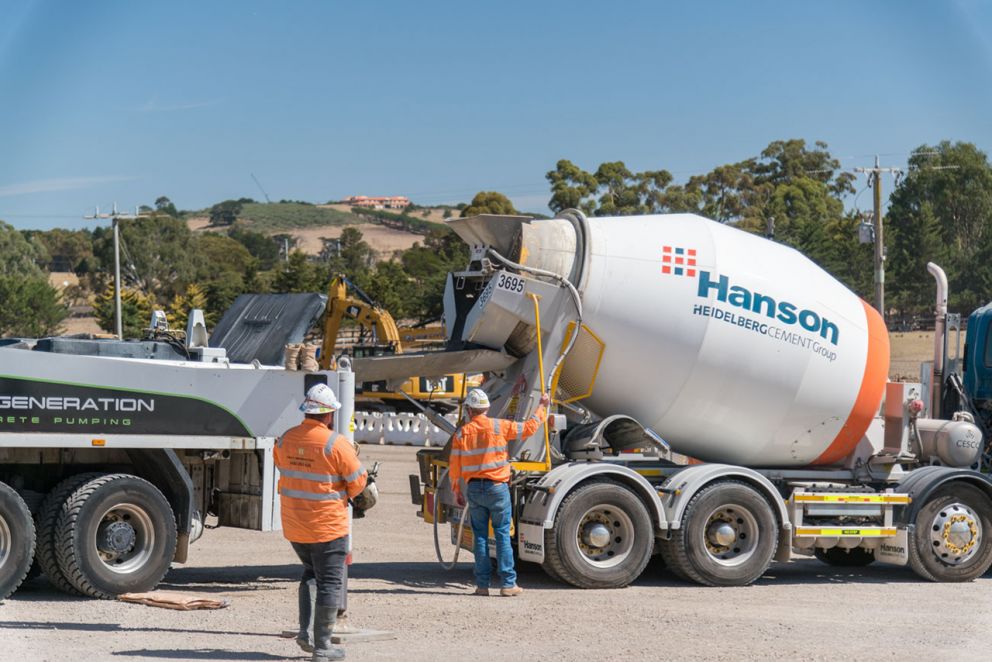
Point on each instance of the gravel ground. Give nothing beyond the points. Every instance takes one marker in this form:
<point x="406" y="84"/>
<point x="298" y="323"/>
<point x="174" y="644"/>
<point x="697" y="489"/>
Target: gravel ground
<point x="801" y="610"/>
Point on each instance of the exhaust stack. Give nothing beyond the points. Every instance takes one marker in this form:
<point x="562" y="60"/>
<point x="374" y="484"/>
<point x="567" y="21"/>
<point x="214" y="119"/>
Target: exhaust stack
<point x="940" y="329"/>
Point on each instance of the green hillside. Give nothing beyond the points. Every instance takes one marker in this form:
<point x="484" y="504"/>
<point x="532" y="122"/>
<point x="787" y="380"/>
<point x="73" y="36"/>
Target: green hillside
<point x="285" y="216"/>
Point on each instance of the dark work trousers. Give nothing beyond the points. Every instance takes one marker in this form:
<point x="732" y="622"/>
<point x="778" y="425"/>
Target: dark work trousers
<point x="323" y="563"/>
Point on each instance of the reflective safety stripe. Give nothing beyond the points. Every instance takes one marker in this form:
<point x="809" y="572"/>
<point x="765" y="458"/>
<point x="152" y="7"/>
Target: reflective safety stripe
<point x="306" y="475"/>
<point x="330" y="442"/>
<point x="488" y="465"/>
<point x="353" y="475"/>
<point x="496" y="430"/>
<point x="478" y="451"/>
<point x="520" y="431"/>
<point x="279" y="441"/>
<point x="313" y="496"/>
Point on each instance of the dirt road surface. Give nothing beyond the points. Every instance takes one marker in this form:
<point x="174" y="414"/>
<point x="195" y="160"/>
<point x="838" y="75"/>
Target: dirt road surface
<point x="799" y="611"/>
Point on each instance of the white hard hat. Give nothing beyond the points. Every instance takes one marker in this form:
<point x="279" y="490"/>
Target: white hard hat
<point x="477" y="399"/>
<point x="368" y="497"/>
<point x="320" y="400"/>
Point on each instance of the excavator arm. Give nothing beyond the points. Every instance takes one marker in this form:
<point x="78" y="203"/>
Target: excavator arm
<point x="363" y="310"/>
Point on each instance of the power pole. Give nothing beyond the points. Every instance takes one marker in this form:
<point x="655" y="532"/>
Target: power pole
<point x="875" y="181"/>
<point x="115" y="218"/>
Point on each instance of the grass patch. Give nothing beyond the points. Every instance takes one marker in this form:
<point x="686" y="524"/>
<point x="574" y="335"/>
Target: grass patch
<point x="277" y="217"/>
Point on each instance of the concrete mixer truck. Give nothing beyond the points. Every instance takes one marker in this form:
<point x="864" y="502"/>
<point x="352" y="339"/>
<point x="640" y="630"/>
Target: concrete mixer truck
<point x="674" y="336"/>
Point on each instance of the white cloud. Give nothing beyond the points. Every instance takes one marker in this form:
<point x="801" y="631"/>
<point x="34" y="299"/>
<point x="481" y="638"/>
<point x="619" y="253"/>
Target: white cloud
<point x="59" y="184"/>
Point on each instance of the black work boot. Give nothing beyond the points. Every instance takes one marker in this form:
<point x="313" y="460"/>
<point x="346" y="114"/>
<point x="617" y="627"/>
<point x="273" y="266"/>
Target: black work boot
<point x="307" y="595"/>
<point x="323" y="627"/>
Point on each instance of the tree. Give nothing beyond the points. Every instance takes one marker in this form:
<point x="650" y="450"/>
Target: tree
<point x="164" y="206"/>
<point x="192" y="297"/>
<point x="261" y="246"/>
<point x="136" y="311"/>
<point x="298" y="276"/>
<point x="225" y="213"/>
<point x="390" y="287"/>
<point x="18" y="256"/>
<point x="941" y="211"/>
<point x="67" y="250"/>
<point x="620" y="191"/>
<point x="489" y="202"/>
<point x="355" y="257"/>
<point x="221" y="272"/>
<point x="31" y="307"/>
<point x="427" y="267"/>
<point x="158" y="254"/>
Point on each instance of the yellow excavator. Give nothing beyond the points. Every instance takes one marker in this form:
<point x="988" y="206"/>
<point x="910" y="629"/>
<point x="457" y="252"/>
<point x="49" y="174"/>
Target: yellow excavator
<point x="379" y="335"/>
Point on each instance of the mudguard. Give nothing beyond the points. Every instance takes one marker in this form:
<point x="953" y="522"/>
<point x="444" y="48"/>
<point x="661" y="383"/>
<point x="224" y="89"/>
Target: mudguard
<point x="921" y="483"/>
<point x="687" y="483"/>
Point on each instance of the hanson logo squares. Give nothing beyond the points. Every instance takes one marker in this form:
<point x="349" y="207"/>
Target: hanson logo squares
<point x="678" y="261"/>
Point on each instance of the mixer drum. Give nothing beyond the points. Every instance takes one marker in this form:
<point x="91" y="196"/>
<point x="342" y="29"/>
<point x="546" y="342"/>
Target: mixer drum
<point x="732" y="347"/>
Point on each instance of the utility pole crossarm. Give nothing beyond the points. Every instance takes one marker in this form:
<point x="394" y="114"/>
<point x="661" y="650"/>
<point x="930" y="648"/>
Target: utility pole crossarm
<point x="875" y="181"/>
<point x="115" y="218"/>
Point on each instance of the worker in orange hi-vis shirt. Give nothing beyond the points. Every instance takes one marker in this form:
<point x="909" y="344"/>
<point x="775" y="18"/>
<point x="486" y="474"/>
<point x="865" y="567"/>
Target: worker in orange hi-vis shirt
<point x="479" y="467"/>
<point x="319" y="472"/>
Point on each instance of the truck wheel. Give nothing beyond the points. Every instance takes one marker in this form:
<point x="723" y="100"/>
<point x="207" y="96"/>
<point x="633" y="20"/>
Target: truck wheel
<point x="45" y="521"/>
<point x="727" y="537"/>
<point x="952" y="539"/>
<point x="845" y="558"/>
<point x="602" y="537"/>
<point x="16" y="540"/>
<point x="116" y="534"/>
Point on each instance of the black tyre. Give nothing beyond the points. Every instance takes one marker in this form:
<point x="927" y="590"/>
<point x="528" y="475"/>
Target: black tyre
<point x="845" y="558"/>
<point x="952" y="537"/>
<point x="602" y="537"/>
<point x="727" y="536"/>
<point x="45" y="521"/>
<point x="116" y="534"/>
<point x="16" y="540"/>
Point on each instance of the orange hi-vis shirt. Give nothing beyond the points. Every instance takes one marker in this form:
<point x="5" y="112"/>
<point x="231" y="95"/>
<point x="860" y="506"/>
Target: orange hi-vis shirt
<point x="319" y="471"/>
<point x="479" y="448"/>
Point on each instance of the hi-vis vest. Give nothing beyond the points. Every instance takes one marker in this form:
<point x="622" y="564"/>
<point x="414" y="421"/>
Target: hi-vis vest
<point x="479" y="448"/>
<point x="319" y="472"/>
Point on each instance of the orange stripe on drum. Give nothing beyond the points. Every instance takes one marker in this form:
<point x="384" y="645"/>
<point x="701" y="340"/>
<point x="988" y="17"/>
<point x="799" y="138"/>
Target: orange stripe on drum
<point x="869" y="396"/>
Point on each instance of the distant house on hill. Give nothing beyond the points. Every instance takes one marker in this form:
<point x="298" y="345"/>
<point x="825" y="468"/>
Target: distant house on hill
<point x="382" y="202"/>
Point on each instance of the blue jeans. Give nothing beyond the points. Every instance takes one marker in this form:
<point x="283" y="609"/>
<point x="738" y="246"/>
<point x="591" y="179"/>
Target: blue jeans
<point x="491" y="501"/>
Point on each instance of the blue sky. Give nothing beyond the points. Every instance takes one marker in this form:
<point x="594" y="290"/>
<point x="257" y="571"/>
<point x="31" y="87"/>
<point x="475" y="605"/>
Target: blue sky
<point x="125" y="101"/>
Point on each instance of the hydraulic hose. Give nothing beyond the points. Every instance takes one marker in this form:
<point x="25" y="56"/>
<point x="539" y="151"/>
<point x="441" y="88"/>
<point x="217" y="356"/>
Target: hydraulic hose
<point x="577" y="301"/>
<point x="458" y="537"/>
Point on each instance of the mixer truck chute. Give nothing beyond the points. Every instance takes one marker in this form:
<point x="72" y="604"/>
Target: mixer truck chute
<point x="740" y="353"/>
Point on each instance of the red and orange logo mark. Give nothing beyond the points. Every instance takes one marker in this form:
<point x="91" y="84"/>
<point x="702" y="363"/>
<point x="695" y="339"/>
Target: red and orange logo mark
<point x="678" y="261"/>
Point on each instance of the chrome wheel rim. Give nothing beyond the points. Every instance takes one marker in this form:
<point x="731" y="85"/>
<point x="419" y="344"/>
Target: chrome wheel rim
<point x="730" y="535"/>
<point x="124" y="538"/>
<point x="956" y="534"/>
<point x="605" y="536"/>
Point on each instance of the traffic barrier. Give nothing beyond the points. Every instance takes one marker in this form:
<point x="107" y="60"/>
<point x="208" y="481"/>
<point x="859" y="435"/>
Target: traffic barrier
<point x="398" y="429"/>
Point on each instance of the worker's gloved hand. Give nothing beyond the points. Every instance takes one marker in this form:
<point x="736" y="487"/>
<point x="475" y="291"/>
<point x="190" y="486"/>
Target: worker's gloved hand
<point x="356" y="513"/>
<point x="545" y="399"/>
<point x="460" y="500"/>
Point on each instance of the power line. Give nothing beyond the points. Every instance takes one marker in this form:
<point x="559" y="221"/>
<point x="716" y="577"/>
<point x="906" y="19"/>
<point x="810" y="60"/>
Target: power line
<point x="875" y="182"/>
